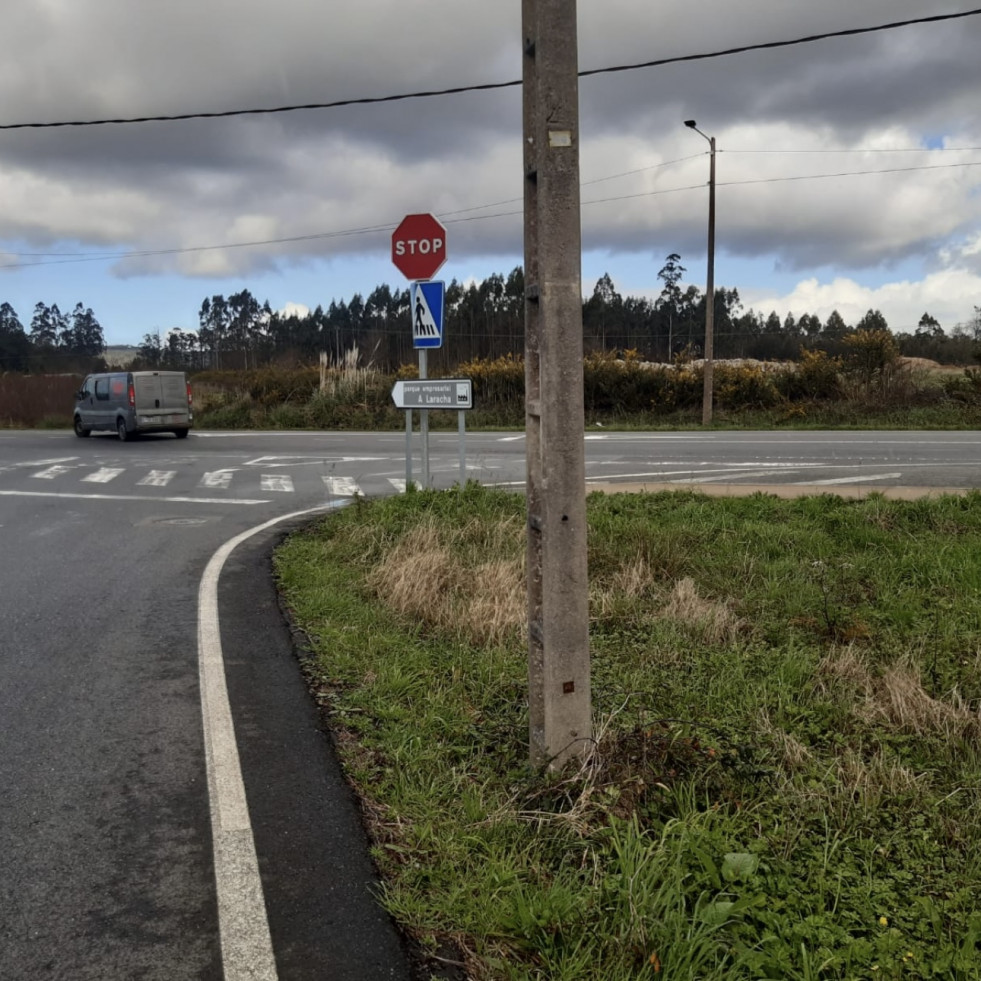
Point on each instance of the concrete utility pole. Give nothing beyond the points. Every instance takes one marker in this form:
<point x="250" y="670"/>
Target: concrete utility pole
<point x="707" y="371"/>
<point x="558" y="589"/>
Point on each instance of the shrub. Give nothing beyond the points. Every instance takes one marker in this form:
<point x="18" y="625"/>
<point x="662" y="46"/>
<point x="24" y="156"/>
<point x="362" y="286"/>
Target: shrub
<point x="26" y="400"/>
<point x="745" y="386"/>
<point x="265" y="386"/>
<point x="815" y="376"/>
<point x="496" y="384"/>
<point x="870" y="354"/>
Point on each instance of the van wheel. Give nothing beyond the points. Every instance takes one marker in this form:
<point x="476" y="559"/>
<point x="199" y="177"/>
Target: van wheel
<point x="180" y="433"/>
<point x="80" y="430"/>
<point x="121" y="431"/>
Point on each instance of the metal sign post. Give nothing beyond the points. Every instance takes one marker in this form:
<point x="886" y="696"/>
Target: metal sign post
<point x="418" y="250"/>
<point x="424" y="419"/>
<point x="435" y="393"/>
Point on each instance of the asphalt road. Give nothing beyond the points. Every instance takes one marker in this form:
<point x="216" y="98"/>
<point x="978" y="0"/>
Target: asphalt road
<point x="115" y="859"/>
<point x="116" y="862"/>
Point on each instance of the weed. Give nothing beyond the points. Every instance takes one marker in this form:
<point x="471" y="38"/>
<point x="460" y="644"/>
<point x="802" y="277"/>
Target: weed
<point x="785" y="776"/>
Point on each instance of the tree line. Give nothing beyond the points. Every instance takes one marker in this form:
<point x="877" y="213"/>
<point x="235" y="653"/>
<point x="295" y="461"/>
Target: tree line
<point x="486" y="320"/>
<point x="56" y="341"/>
<point x="481" y="320"/>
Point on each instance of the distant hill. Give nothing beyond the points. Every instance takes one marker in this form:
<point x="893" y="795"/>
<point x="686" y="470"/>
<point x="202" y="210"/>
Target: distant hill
<point x="120" y="355"/>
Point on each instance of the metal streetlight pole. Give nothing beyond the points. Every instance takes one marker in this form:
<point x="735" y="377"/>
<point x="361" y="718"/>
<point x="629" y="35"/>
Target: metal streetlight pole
<point x="710" y="284"/>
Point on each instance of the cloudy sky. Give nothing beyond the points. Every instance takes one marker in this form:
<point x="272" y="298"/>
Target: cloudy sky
<point x="848" y="168"/>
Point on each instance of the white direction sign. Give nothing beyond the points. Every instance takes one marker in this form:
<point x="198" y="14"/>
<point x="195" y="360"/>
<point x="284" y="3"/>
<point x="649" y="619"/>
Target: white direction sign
<point x="433" y="393"/>
<point x="426" y="300"/>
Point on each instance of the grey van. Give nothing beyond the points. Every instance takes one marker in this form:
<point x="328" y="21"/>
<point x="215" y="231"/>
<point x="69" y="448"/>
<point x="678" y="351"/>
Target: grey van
<point x="130" y="402"/>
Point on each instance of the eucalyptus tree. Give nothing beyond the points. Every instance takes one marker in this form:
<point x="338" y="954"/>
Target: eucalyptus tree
<point x="15" y="345"/>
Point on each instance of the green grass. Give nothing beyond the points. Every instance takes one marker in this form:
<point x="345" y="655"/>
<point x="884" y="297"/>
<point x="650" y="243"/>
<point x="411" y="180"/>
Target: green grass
<point x="786" y="780"/>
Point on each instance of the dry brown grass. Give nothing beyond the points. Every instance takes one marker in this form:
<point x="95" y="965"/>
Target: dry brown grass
<point x="620" y="590"/>
<point x="868" y="780"/>
<point x="794" y="755"/>
<point x="424" y="577"/>
<point x="898" y="699"/>
<point x="842" y="672"/>
<point x="711" y="618"/>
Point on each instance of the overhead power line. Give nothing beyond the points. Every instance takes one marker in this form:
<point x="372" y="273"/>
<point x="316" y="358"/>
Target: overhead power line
<point x="489" y="86"/>
<point x="58" y="258"/>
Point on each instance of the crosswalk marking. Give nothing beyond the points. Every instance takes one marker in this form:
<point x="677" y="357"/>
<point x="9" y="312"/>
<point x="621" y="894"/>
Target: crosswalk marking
<point x="399" y="485"/>
<point x="157" y="478"/>
<point x="103" y="475"/>
<point x="50" y="473"/>
<point x="276" y="482"/>
<point x="218" y="478"/>
<point x="342" y="486"/>
<point x="336" y="486"/>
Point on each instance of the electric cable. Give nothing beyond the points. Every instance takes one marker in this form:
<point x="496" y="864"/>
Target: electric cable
<point x="490" y="86"/>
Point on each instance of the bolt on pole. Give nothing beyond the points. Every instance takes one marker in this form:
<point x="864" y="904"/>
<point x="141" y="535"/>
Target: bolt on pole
<point x="560" y="726"/>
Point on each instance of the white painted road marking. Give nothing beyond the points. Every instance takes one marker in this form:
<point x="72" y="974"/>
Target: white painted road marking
<point x="133" y="497"/>
<point x="399" y="485"/>
<point x="342" y="486"/>
<point x="43" y="463"/>
<point x="218" y="478"/>
<point x="308" y="461"/>
<point x="276" y="482"/>
<point x="849" y="480"/>
<point x="157" y="478"/>
<point x="103" y="475"/>
<point x="51" y="472"/>
<point x="246" y="946"/>
<point x="727" y="476"/>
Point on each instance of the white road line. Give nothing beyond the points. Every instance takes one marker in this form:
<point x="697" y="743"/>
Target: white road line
<point x="45" y="463"/>
<point x="672" y="473"/>
<point x="246" y="946"/>
<point x="849" y="480"/>
<point x="309" y="461"/>
<point x="721" y="478"/>
<point x="276" y="482"/>
<point x="134" y="497"/>
<point x="103" y="475"/>
<point x="635" y="437"/>
<point x="342" y="486"/>
<point x="157" y="478"/>
<point x="50" y="473"/>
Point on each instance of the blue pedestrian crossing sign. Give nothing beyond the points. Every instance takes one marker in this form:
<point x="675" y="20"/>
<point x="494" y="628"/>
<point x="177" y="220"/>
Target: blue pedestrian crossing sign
<point x="426" y="300"/>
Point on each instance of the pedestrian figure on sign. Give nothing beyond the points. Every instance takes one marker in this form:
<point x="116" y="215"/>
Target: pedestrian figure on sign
<point x="421" y="329"/>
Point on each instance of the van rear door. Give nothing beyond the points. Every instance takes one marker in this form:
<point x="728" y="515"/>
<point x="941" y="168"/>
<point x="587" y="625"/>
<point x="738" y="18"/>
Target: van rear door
<point x="161" y="399"/>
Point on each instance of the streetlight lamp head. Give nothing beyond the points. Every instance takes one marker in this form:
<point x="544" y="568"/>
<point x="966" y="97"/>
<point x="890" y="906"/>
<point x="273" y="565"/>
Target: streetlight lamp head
<point x="690" y="123"/>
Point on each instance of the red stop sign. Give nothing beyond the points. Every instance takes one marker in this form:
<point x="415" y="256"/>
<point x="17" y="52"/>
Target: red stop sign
<point x="419" y="246"/>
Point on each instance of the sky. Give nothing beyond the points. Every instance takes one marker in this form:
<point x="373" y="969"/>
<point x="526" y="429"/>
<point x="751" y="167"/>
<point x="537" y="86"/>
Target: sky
<point x="848" y="169"/>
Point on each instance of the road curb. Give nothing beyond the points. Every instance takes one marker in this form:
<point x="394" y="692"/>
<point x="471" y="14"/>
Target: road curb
<point x="851" y="491"/>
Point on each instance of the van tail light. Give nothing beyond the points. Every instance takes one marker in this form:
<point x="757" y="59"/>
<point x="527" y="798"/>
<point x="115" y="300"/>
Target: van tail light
<point x="132" y="396"/>
<point x="189" y="400"/>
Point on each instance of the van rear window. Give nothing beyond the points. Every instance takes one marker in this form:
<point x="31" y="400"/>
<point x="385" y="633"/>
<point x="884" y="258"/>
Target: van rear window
<point x="118" y="387"/>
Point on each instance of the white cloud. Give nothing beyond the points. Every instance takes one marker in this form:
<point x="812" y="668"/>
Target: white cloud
<point x="333" y="181"/>
<point x="940" y="294"/>
<point x="294" y="310"/>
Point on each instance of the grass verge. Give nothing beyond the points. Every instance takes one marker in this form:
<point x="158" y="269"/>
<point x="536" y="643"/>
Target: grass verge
<point x="785" y="781"/>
